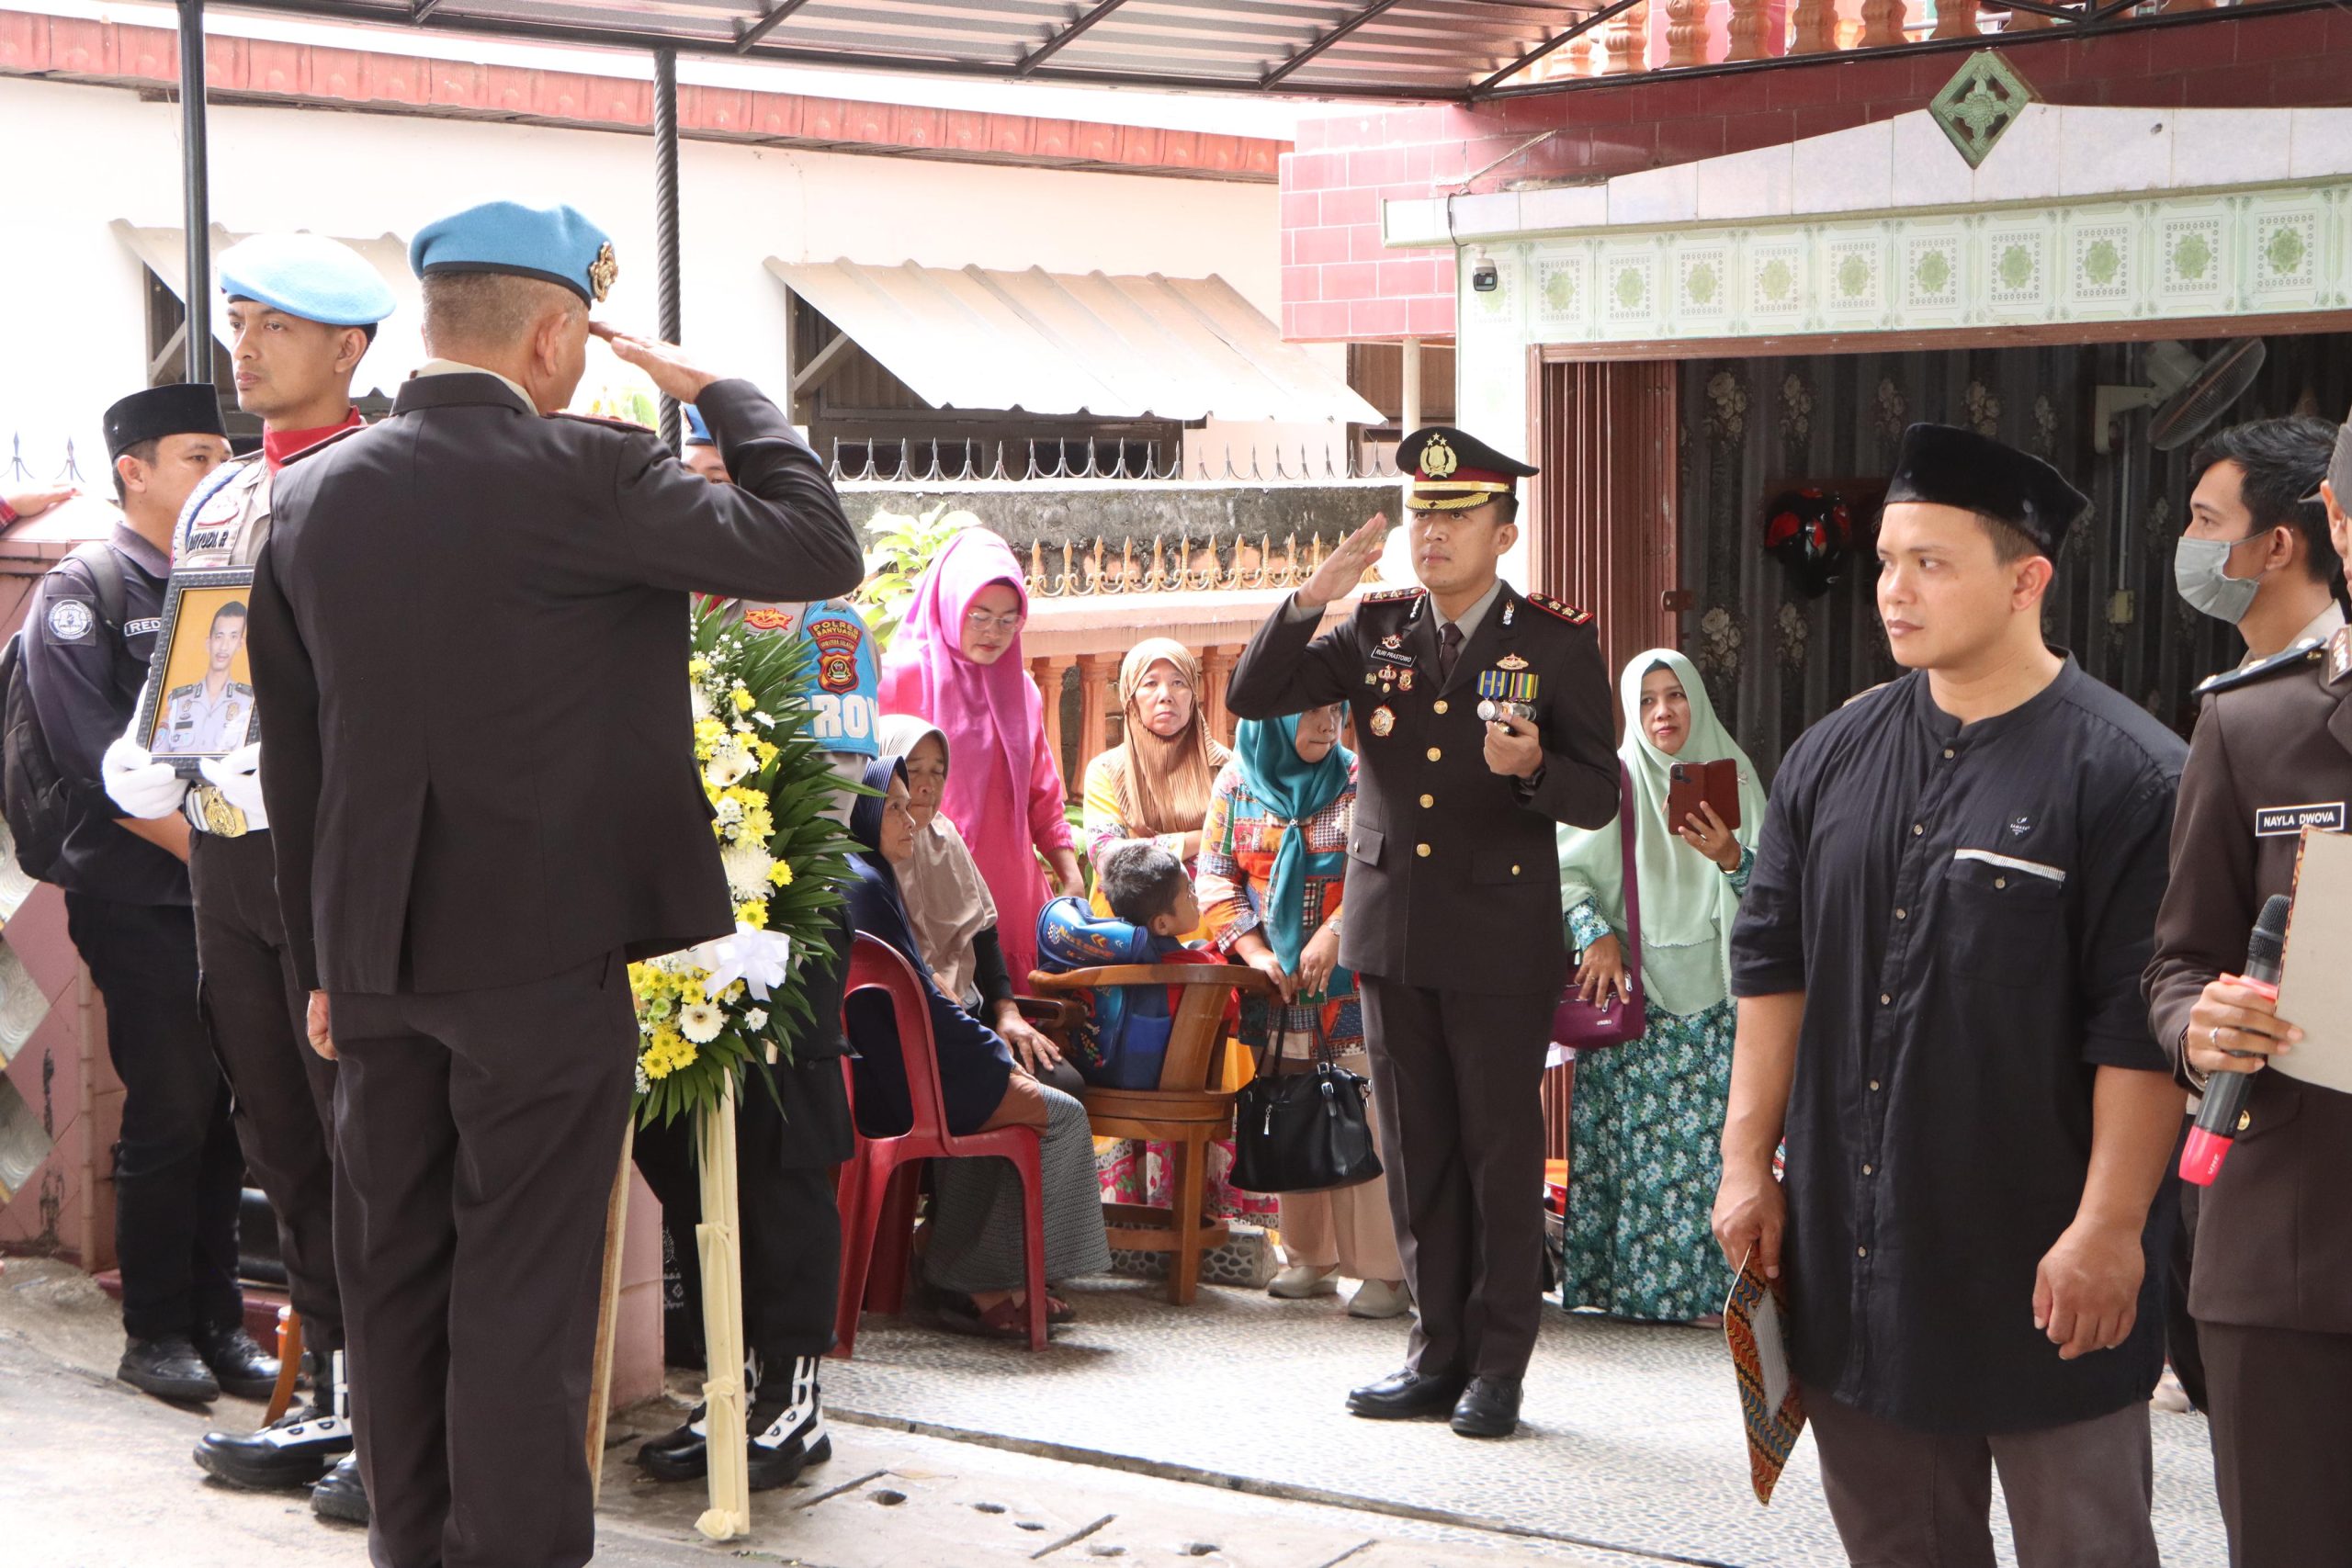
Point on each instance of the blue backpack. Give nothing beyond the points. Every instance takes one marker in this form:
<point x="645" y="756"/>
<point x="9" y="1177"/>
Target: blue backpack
<point x="1122" y="1039"/>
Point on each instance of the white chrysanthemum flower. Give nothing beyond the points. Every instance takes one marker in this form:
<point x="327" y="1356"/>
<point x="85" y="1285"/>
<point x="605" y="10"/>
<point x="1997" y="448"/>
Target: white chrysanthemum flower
<point x="703" y="708"/>
<point x="727" y="767"/>
<point x="643" y="1083"/>
<point x="756" y="1020"/>
<point x="701" y="1021"/>
<point x="747" y="870"/>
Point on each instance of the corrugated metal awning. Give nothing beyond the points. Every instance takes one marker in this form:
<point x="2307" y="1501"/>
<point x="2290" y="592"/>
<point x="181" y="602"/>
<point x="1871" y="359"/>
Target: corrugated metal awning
<point x="1384" y="49"/>
<point x="1179" y="348"/>
<point x="399" y="348"/>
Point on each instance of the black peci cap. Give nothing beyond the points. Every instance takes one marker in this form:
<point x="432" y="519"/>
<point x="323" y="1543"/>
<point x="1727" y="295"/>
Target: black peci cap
<point x="1943" y="466"/>
<point x="185" y="408"/>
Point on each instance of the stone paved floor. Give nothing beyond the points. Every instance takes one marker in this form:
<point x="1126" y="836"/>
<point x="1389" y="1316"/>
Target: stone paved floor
<point x="1632" y="1439"/>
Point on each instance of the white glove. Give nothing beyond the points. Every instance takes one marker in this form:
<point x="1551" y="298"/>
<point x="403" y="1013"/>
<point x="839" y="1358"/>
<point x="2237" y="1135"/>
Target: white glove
<point x="238" y="778"/>
<point x="142" y="786"/>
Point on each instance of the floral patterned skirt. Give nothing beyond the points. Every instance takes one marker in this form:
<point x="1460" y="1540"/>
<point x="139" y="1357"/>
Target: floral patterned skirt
<point x="1645" y="1120"/>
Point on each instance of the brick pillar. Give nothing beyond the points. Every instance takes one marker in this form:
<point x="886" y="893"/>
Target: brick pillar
<point x="1048" y="672"/>
<point x="1095" y="672"/>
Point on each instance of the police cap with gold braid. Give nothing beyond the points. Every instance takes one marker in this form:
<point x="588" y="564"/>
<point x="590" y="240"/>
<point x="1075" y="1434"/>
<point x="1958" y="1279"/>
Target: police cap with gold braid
<point x="1454" y="470"/>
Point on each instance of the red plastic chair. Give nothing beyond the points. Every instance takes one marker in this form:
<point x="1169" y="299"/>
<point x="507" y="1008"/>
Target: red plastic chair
<point x="877" y="1186"/>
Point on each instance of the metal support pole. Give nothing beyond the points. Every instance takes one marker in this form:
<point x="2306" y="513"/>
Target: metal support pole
<point x="1409" y="397"/>
<point x="665" y="221"/>
<point x="195" y="195"/>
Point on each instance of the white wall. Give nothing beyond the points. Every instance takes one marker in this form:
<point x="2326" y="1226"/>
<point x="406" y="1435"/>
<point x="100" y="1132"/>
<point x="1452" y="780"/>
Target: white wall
<point x="73" y="337"/>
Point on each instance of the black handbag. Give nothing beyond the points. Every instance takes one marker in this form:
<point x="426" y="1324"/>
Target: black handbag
<point x="1304" y="1132"/>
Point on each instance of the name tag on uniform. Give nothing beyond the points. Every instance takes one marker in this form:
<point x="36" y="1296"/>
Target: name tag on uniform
<point x="1392" y="656"/>
<point x="2289" y="821"/>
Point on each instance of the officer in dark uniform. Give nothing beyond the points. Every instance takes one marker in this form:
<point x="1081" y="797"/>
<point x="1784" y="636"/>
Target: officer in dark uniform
<point x="470" y="627"/>
<point x="2271" y="1288"/>
<point x="1453" y="895"/>
<point x="89" y="636"/>
<point x="302" y="310"/>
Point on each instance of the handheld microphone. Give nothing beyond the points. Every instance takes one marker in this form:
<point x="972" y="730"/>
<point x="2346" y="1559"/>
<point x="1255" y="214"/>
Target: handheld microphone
<point x="2217" y="1120"/>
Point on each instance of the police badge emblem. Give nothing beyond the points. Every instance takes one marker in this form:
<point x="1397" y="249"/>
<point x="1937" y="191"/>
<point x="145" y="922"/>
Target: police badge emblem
<point x="1382" y="721"/>
<point x="604" y="271"/>
<point x="836" y="643"/>
<point x="1438" y="459"/>
<point x="1511" y="661"/>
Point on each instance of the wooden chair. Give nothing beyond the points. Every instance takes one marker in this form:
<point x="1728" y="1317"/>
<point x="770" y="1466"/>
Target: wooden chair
<point x="1188" y="1111"/>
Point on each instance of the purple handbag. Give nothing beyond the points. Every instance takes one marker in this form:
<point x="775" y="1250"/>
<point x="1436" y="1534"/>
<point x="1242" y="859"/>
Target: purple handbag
<point x="1577" y="1022"/>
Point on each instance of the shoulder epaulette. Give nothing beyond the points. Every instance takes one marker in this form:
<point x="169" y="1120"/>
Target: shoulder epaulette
<point x="1567" y="613"/>
<point x="183" y="691"/>
<point x="2308" y="651"/>
<point x="1392" y="595"/>
<point x="322" y="443"/>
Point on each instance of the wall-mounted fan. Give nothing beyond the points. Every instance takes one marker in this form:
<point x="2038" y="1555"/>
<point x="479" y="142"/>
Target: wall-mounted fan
<point x="2188" y="393"/>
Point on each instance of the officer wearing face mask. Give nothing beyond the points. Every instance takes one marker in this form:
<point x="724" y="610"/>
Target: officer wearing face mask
<point x="2256" y="552"/>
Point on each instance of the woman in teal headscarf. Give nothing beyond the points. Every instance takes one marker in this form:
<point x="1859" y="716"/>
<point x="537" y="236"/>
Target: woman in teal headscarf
<point x="1273" y="856"/>
<point x="1645" y="1117"/>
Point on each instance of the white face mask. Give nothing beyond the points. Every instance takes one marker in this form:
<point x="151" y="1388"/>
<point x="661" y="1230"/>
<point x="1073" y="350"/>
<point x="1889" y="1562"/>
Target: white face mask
<point x="2199" y="572"/>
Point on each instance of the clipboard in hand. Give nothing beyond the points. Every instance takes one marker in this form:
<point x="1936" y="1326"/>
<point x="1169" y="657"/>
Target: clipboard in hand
<point x="1771" y="1405"/>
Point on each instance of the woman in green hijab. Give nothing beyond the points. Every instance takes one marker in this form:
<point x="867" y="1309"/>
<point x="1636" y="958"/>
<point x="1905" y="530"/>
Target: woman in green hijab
<point x="1644" y="1117"/>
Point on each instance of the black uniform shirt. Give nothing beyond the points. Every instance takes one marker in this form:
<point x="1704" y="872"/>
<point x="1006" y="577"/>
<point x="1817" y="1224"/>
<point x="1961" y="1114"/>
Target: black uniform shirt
<point x="1968" y="911"/>
<point x="85" y="683"/>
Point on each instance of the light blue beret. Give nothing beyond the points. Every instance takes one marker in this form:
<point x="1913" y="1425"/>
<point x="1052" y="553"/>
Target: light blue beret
<point x="697" y="433"/>
<point x="307" y="276"/>
<point x="554" y="244"/>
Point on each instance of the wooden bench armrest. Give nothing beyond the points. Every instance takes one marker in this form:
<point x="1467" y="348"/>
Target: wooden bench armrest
<point x="1240" y="977"/>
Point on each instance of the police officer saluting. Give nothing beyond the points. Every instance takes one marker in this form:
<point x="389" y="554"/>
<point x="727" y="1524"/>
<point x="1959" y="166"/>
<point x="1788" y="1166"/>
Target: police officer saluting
<point x="469" y="635"/>
<point x="89" y="636"/>
<point x="1454" y="895"/>
<point x="2271" y="1286"/>
<point x="302" y="310"/>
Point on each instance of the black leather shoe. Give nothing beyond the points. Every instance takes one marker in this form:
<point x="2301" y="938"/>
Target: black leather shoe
<point x="1490" y="1408"/>
<point x="168" y="1368"/>
<point x="1406" y="1395"/>
<point x="681" y="1455"/>
<point x="242" y="1367"/>
<point x="342" y="1496"/>
<point x="296" y="1451"/>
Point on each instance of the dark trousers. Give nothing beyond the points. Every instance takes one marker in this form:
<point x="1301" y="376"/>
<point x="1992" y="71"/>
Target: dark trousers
<point x="177" y="1171"/>
<point x="790" y="1227"/>
<point x="282" y="1091"/>
<point x="788" y="1145"/>
<point x="1457" y="1077"/>
<point x="2078" y="1494"/>
<point x="2282" y="1443"/>
<point x="477" y="1134"/>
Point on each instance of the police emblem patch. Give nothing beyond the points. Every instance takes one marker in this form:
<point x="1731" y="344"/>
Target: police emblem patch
<point x="1382" y="721"/>
<point x="70" y="620"/>
<point x="603" y="271"/>
<point x="768" y="618"/>
<point x="836" y="643"/>
<point x="1511" y="661"/>
<point x="1438" y="459"/>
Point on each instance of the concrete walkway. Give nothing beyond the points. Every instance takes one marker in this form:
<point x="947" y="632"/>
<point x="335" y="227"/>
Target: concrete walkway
<point x="96" y="1475"/>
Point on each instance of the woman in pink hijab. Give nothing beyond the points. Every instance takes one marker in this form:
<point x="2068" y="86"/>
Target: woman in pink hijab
<point x="955" y="661"/>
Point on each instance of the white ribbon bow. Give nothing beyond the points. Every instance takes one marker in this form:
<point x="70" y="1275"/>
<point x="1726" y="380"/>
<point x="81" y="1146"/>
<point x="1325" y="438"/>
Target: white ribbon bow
<point x="760" y="959"/>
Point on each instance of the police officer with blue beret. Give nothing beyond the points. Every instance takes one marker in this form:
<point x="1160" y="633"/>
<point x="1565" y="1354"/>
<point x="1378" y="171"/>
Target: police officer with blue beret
<point x="302" y="312"/>
<point x="1485" y="719"/>
<point x="88" y="639"/>
<point x="469" y="628"/>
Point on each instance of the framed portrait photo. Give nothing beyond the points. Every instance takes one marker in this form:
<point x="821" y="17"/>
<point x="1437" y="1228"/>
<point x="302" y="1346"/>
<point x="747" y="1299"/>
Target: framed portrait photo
<point x="200" y="697"/>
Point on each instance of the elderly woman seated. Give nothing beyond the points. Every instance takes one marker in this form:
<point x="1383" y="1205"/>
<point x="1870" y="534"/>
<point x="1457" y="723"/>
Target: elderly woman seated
<point x="974" y="1260"/>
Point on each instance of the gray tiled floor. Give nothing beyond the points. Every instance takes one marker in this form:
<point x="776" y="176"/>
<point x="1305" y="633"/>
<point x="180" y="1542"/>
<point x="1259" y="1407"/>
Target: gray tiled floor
<point x="1632" y="1439"/>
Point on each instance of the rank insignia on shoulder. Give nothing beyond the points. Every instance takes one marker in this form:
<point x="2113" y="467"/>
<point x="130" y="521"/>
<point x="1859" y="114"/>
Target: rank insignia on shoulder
<point x="2339" y="655"/>
<point x="1567" y="613"/>
<point x="2308" y="651"/>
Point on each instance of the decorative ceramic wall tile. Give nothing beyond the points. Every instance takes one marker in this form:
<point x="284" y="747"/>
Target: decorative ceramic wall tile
<point x="2275" y="249"/>
<point x="2100" y="277"/>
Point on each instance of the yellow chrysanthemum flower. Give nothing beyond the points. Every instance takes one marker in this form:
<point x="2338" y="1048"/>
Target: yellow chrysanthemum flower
<point x="780" y="873"/>
<point x="753" y="912"/>
<point x="744" y="701"/>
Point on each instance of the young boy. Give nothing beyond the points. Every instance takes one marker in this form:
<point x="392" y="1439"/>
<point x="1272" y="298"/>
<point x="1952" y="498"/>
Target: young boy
<point x="1123" y="1043"/>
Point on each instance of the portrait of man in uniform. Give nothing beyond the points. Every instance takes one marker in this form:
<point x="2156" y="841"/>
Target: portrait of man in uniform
<point x="206" y="708"/>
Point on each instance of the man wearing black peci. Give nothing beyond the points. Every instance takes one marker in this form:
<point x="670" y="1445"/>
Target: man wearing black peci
<point x="1938" y="966"/>
<point x="1454" y="895"/>
<point x="469" y="632"/>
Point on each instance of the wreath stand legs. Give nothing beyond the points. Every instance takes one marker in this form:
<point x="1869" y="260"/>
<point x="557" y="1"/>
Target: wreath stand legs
<point x="718" y="1239"/>
<point x="608" y="1298"/>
